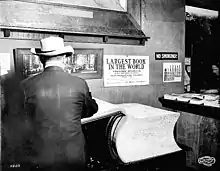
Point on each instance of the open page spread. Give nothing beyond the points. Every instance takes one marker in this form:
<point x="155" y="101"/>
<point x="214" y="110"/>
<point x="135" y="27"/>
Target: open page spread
<point x="105" y="109"/>
<point x="145" y="127"/>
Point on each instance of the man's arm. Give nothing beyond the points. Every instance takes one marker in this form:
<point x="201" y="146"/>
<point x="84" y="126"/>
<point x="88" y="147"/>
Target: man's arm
<point x="90" y="105"/>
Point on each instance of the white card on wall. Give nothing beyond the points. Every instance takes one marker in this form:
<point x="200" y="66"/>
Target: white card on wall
<point x="4" y="63"/>
<point x="172" y="72"/>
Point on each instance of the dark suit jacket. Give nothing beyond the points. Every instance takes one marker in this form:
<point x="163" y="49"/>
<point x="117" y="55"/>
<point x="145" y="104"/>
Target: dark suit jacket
<point x="55" y="102"/>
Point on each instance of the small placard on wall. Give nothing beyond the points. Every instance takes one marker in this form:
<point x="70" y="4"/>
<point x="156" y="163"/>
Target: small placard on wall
<point x="4" y="63"/>
<point x="172" y="72"/>
<point x="166" y="56"/>
<point x="187" y="61"/>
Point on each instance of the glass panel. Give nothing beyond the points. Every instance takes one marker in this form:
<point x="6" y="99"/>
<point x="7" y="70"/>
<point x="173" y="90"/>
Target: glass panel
<point x="32" y="64"/>
<point x="81" y="63"/>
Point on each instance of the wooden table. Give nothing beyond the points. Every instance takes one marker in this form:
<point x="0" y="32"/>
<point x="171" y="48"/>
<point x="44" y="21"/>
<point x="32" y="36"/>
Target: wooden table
<point x="198" y="133"/>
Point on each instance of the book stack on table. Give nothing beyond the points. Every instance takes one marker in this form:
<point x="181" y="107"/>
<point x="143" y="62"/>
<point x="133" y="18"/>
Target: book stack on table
<point x="212" y="100"/>
<point x="193" y="98"/>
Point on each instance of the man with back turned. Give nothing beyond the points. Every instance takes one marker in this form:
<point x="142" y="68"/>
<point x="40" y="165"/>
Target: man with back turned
<point x="55" y="102"/>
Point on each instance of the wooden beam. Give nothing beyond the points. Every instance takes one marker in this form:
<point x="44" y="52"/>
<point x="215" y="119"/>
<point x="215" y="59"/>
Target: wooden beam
<point x="67" y="20"/>
<point x="80" y="38"/>
<point x="6" y="32"/>
<point x="207" y="4"/>
<point x="105" y="39"/>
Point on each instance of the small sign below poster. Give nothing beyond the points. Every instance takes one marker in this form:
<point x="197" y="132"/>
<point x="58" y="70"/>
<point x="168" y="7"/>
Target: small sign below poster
<point x="166" y="56"/>
<point x="187" y="61"/>
<point x="122" y="70"/>
<point x="172" y="72"/>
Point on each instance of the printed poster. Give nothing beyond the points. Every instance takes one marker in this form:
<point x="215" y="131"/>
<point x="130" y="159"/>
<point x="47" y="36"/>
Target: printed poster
<point x="122" y="70"/>
<point x="172" y="72"/>
<point x="4" y="63"/>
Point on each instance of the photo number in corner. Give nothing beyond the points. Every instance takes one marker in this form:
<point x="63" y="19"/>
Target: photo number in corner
<point x="172" y="72"/>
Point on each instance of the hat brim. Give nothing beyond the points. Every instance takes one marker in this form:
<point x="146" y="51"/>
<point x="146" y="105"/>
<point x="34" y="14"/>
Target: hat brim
<point x="65" y="50"/>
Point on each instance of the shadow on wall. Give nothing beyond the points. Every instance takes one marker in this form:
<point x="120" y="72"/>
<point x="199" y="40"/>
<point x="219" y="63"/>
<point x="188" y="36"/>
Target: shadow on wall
<point x="14" y="122"/>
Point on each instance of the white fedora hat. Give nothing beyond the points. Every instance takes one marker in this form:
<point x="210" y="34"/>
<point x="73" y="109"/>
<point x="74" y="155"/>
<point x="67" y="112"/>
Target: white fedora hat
<point x="52" y="46"/>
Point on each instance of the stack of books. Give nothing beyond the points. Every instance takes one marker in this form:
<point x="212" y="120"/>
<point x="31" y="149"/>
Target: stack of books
<point x="212" y="100"/>
<point x="193" y="98"/>
<point x="172" y="96"/>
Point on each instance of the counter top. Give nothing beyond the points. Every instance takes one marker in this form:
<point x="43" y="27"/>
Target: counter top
<point x="186" y="106"/>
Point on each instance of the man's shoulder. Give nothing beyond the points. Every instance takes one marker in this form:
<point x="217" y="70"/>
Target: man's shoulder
<point x="76" y="78"/>
<point x="77" y="82"/>
<point x="28" y="80"/>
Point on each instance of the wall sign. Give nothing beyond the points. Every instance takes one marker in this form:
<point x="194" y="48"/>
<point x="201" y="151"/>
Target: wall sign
<point x="172" y="72"/>
<point x="122" y="70"/>
<point x="187" y="61"/>
<point x="4" y="63"/>
<point x="166" y="56"/>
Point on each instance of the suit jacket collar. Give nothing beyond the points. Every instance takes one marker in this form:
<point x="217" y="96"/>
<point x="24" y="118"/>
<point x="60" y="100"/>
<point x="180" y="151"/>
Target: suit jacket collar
<point x="53" y="68"/>
<point x="54" y="63"/>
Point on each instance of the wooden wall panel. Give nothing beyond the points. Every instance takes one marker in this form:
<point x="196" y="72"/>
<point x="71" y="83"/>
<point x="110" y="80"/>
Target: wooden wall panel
<point x="134" y="8"/>
<point x="103" y="4"/>
<point x="66" y="19"/>
<point x="199" y="135"/>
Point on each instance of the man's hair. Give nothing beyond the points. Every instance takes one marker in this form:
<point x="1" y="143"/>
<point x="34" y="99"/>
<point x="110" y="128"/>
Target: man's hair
<point x="44" y="59"/>
<point x="58" y="57"/>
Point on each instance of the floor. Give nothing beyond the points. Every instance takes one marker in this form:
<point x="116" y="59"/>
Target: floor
<point x="126" y="168"/>
<point x="174" y="162"/>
